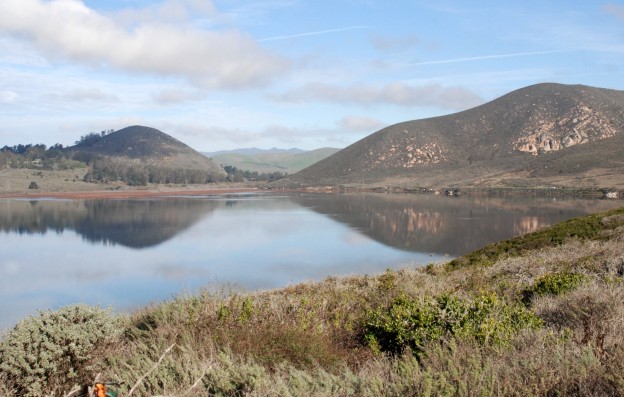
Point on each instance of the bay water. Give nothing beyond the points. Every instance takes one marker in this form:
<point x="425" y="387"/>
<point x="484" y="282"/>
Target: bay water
<point x="126" y="254"/>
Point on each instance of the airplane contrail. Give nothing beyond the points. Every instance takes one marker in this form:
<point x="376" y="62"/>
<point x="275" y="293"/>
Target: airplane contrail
<point x="316" y="33"/>
<point x="483" y="57"/>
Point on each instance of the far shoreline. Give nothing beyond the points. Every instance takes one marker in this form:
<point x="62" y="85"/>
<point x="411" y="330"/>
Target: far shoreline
<point x="127" y="194"/>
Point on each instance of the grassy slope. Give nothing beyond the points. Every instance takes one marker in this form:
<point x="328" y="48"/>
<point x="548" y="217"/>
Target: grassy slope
<point x="274" y="162"/>
<point x="17" y="180"/>
<point x="309" y="339"/>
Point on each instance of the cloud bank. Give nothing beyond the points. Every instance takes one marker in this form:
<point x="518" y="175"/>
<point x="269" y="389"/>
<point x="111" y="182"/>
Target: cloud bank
<point x="69" y="30"/>
<point x="435" y="95"/>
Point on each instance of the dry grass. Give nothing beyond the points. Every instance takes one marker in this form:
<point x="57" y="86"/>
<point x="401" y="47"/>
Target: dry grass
<point x="307" y="340"/>
<point x="17" y="180"/>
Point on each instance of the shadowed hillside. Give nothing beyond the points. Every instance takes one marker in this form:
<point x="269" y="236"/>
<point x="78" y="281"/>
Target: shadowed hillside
<point x="139" y="155"/>
<point x="515" y="136"/>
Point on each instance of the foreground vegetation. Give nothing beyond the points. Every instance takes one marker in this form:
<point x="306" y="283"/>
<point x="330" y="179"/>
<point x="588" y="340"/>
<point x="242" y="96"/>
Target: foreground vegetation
<point x="541" y="314"/>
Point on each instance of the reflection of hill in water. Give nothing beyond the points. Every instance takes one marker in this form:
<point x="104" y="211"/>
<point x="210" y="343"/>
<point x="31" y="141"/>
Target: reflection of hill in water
<point x="132" y="223"/>
<point x="445" y="225"/>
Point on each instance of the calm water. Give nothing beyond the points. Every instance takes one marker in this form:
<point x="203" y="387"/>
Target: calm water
<point x="128" y="253"/>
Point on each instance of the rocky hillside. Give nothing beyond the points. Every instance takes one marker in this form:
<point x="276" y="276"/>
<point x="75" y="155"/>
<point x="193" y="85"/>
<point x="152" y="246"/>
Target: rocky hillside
<point x="511" y="137"/>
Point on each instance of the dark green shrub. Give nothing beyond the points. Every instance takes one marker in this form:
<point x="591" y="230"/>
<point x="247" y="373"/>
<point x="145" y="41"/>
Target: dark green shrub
<point x="409" y="323"/>
<point x="49" y="353"/>
<point x="553" y="284"/>
<point x="557" y="283"/>
<point x="33" y="185"/>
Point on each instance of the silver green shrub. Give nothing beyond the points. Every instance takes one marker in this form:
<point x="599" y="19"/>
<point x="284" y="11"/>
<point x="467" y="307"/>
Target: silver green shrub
<point x="49" y="353"/>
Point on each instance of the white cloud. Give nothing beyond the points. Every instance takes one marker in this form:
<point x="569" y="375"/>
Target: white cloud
<point x="175" y="96"/>
<point x="614" y="9"/>
<point x="168" y="11"/>
<point x="8" y="96"/>
<point x="13" y="52"/>
<point x="360" y="123"/>
<point x="398" y="93"/>
<point x="387" y="43"/>
<point x="67" y="29"/>
<point x="197" y="135"/>
<point x="90" y="94"/>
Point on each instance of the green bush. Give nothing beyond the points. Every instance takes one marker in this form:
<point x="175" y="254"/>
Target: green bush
<point x="409" y="323"/>
<point x="553" y="284"/>
<point x="54" y="350"/>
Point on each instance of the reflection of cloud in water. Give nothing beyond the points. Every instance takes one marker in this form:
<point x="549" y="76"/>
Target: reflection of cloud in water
<point x="296" y="253"/>
<point x="16" y="309"/>
<point x="354" y="238"/>
<point x="180" y="272"/>
<point x="295" y="274"/>
<point x="10" y="268"/>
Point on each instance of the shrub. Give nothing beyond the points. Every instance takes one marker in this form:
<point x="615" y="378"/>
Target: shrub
<point x="412" y="324"/>
<point x="33" y="185"/>
<point x="553" y="284"/>
<point x="54" y="350"/>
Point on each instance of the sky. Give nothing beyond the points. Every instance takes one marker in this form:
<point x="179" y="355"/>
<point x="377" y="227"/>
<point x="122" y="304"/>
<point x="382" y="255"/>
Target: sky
<point x="226" y="74"/>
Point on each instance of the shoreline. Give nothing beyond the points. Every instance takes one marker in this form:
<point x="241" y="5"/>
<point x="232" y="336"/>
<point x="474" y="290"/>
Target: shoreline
<point x="125" y="194"/>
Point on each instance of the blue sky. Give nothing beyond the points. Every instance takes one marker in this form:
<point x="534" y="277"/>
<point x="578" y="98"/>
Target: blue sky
<point x="224" y="74"/>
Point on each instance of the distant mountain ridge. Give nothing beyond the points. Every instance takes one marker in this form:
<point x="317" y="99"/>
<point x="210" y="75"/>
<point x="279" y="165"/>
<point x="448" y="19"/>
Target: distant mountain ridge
<point x="508" y="140"/>
<point x="271" y="160"/>
<point x="253" y="151"/>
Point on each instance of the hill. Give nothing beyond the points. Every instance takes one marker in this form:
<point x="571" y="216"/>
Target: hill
<point x="145" y="154"/>
<point x="271" y="160"/>
<point x="253" y="151"/>
<point x="542" y="134"/>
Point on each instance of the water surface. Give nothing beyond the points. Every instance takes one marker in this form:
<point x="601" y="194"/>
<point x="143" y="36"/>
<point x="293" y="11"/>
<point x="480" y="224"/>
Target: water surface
<point x="128" y="253"/>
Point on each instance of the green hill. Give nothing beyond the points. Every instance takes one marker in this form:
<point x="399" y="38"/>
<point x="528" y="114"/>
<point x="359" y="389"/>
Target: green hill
<point x="139" y="155"/>
<point x="267" y="161"/>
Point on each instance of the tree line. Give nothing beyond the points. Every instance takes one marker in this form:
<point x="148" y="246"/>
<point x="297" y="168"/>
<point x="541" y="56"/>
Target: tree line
<point x="132" y="172"/>
<point x="236" y="175"/>
<point x="103" y="169"/>
<point x="34" y="156"/>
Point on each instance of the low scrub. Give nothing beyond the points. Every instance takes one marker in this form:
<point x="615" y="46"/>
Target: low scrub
<point x="416" y="323"/>
<point x="49" y="353"/>
<point x="553" y="284"/>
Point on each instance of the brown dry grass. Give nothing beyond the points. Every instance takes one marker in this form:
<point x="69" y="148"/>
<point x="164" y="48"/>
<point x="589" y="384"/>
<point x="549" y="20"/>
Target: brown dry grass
<point x="14" y="182"/>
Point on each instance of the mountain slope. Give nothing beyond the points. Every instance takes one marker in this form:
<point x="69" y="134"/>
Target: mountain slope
<point x="518" y="132"/>
<point x="149" y="147"/>
<point x="272" y="160"/>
